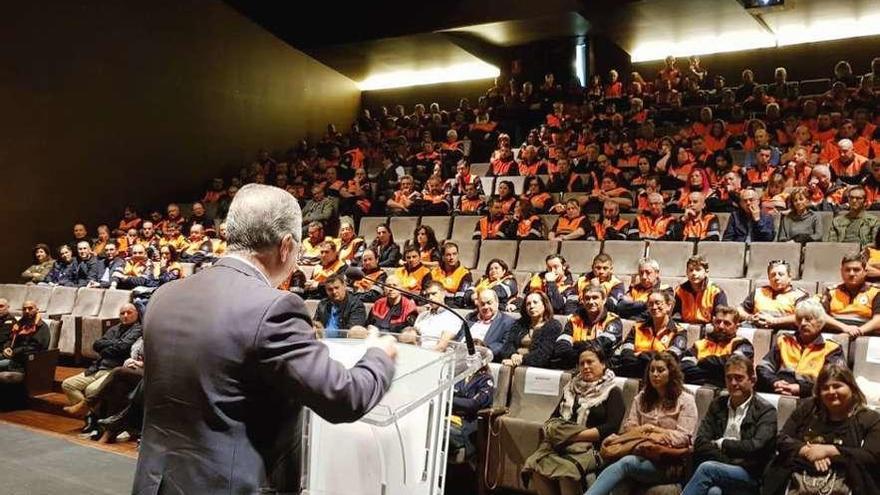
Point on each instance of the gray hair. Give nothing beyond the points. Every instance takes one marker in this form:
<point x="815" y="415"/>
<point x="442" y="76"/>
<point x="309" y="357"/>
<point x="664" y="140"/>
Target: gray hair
<point x="651" y="263"/>
<point x="810" y="308"/>
<point x="260" y="216"/>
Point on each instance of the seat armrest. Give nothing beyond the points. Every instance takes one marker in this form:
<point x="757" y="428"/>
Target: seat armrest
<point x="39" y="373"/>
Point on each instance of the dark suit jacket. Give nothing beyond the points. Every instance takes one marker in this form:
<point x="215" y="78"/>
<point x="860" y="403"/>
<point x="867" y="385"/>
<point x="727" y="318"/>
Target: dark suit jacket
<point x="230" y="363"/>
<point x="498" y="332"/>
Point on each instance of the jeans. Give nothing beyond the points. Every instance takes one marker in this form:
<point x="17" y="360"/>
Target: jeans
<point x="4" y="364"/>
<point x="715" y="478"/>
<point x="631" y="467"/>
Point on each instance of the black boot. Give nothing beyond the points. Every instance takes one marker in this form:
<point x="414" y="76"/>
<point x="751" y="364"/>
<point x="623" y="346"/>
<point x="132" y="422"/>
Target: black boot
<point x="118" y="422"/>
<point x="91" y="423"/>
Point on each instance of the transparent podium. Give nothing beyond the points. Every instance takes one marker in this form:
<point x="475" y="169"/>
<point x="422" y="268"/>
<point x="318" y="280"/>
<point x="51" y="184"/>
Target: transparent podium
<point x="400" y="446"/>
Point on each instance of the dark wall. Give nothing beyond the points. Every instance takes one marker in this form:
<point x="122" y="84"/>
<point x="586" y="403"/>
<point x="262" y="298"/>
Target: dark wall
<point x="806" y="61"/>
<point x="107" y="103"/>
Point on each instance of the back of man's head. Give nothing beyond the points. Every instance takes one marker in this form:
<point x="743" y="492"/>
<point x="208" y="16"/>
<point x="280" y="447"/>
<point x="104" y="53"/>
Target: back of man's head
<point x="260" y="216"/>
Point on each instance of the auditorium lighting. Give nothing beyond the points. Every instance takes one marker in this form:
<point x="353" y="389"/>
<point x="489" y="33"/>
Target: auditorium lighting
<point x="459" y="72"/>
<point x="704" y="45"/>
<point x="827" y="30"/>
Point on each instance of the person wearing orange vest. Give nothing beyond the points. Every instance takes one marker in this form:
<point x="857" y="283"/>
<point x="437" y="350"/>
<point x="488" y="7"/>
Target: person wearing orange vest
<point x="392" y="313"/>
<point x="633" y="302"/>
<point x="366" y="289"/>
<point x="590" y="326"/>
<point x="351" y="247"/>
<point x="825" y="194"/>
<point x="497" y="278"/>
<point x="656" y="334"/>
<point x="849" y="166"/>
<point x="795" y="359"/>
<point x="696" y="224"/>
<point x="471" y="203"/>
<point x="703" y="363"/>
<point x="697" y="298"/>
<point x="455" y="279"/>
<point x="652" y="223"/>
<point x="310" y="251"/>
<point x="610" y="226"/>
<point x="565" y="180"/>
<point x="602" y="273"/>
<point x="853" y="306"/>
<point x="528" y="224"/>
<point x="571" y="225"/>
<point x="772" y="305"/>
<point x="556" y="281"/>
<point x="330" y="265"/>
<point x="494" y="225"/>
<point x="413" y="275"/>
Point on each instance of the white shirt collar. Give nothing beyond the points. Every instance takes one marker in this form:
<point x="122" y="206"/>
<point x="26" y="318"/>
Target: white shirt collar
<point x="743" y="406"/>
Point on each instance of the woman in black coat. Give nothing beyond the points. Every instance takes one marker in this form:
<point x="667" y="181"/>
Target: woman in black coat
<point x="533" y="336"/>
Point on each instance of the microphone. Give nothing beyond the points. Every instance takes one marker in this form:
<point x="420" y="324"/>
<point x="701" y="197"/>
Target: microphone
<point x="355" y="274"/>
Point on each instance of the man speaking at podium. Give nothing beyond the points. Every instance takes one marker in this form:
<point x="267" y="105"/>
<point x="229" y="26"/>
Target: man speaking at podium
<point x="231" y="361"/>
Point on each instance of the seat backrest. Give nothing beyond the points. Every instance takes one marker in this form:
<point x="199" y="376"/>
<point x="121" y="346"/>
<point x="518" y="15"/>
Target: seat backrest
<point x="867" y="358"/>
<point x="39" y="294"/>
<point x="113" y="302"/>
<point x="737" y="289"/>
<point x="15" y="295"/>
<point x="517" y="180"/>
<point x="54" y="332"/>
<point x="311" y="306"/>
<point x="522" y="279"/>
<point x="88" y="302"/>
<point x="187" y="269"/>
<point x="822" y="259"/>
<point x="694" y="332"/>
<point x="403" y="227"/>
<point x="488" y="184"/>
<point x="62" y="301"/>
<point x="501" y="374"/>
<point x="761" y="253"/>
<point x="535" y="392"/>
<point x="532" y="253"/>
<point x="463" y="227"/>
<point x="626" y="255"/>
<point x="760" y="339"/>
<point x="480" y="169"/>
<point x="703" y="397"/>
<point x="726" y="259"/>
<point x="439" y="224"/>
<point x="723" y="218"/>
<point x="367" y="228"/>
<point x="467" y="252"/>
<point x="491" y="249"/>
<point x="629" y="387"/>
<point x="579" y="255"/>
<point x="784" y="406"/>
<point x="672" y="256"/>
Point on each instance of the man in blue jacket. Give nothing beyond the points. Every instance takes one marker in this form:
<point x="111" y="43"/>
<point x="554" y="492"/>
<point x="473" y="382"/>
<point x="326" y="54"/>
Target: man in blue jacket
<point x="748" y="223"/>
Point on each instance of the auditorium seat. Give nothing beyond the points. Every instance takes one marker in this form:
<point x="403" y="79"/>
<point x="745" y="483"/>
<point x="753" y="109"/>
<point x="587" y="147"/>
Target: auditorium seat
<point x="825" y="217"/>
<point x="187" y="269"/>
<point x="463" y="227"/>
<point x="548" y="220"/>
<point x="312" y="306"/>
<point x="480" y="169"/>
<point x="864" y="369"/>
<point x="517" y="180"/>
<point x="737" y="289"/>
<point x="580" y="254"/>
<point x="812" y="87"/>
<point x="760" y="339"/>
<point x="403" y="228"/>
<point x="467" y="252"/>
<point x="93" y="327"/>
<point x="40" y="294"/>
<point x="488" y="184"/>
<point x="440" y="226"/>
<point x="723" y="218"/>
<point x="522" y="279"/>
<point x="501" y="375"/>
<point x="672" y="281"/>
<point x="761" y="253"/>
<point x="367" y="227"/>
<point x="822" y="259"/>
<point x="726" y="259"/>
<point x="626" y="255"/>
<point x="88" y="303"/>
<point x="15" y="295"/>
<point x="785" y="405"/>
<point x="672" y="256"/>
<point x="532" y="254"/>
<point x="61" y="302"/>
<point x="503" y="250"/>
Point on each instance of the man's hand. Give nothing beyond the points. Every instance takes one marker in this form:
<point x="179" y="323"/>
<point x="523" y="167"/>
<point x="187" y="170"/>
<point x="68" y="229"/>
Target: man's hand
<point x="387" y="343"/>
<point x="755" y="211"/>
<point x="764" y="321"/>
<point x="852" y="330"/>
<point x="784" y="388"/>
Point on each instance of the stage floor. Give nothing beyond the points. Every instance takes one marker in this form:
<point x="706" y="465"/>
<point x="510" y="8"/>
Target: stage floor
<point x="39" y="463"/>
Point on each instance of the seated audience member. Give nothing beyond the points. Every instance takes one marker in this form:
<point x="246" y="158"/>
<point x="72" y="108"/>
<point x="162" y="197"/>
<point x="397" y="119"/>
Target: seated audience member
<point x="633" y="302"/>
<point x="590" y="410"/>
<point x="404" y="197"/>
<point x="663" y="406"/>
<point x="602" y="273"/>
<point x="200" y="217"/>
<point x="488" y="324"/>
<point x="434" y="200"/>
<point x="130" y="220"/>
<point x="528" y="225"/>
<point x="571" y="225"/>
<point x="219" y="242"/>
<point x="296" y="283"/>
<point x="226" y="201"/>
<point x="506" y="196"/>
<point x="340" y="310"/>
<point x="871" y="253"/>
<point x="469" y="397"/>
<point x="435" y="327"/>
<point x="536" y="194"/>
<point x="498" y="278"/>
<point x="463" y="176"/>
<point x="658" y="333"/>
<point x="351" y="247"/>
<point x="200" y="247"/>
<point x="772" y="305"/>
<point x="495" y="225"/>
<point x="452" y="276"/>
<point x="795" y="359"/>
<point x="320" y="208"/>
<point x="856" y="225"/>
<point x="43" y="264"/>
<point x="758" y="174"/>
<point x="800" y="224"/>
<point x="703" y="363"/>
<point x="503" y="165"/>
<point x="129" y="239"/>
<point x="329" y="266"/>
<point x="137" y="271"/>
<point x="825" y="194"/>
<point x="471" y="203"/>
<point x="696" y="224"/>
<point x="610" y="189"/>
<point x="830" y="439"/>
<point x="393" y="312"/>
<point x="80" y="233"/>
<point x="425" y="241"/>
<point x="148" y="237"/>
<point x="565" y="180"/>
<point x="20" y="339"/>
<point x="310" y="252"/>
<point x="849" y="166"/>
<point x="355" y="196"/>
<point x="387" y="251"/>
<point x="610" y="226"/>
<point x="167" y="268"/>
<point x="590" y="326"/>
<point x="737" y="438"/>
<point x="87" y="268"/>
<point x="366" y="289"/>
<point x="652" y="222"/>
<point x="216" y="192"/>
<point x="413" y="276"/>
<point x="172" y="216"/>
<point x="725" y="195"/>
<point x="113" y="348"/>
<point x="697" y="297"/>
<point x="113" y="262"/>
<point x="853" y="306"/>
<point x="749" y="223"/>
<point x="171" y="236"/>
<point x="103" y="238"/>
<point x="113" y="400"/>
<point x="556" y="281"/>
<point x="533" y="336"/>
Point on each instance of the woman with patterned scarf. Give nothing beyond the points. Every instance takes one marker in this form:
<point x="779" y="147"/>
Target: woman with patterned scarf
<point x="590" y="410"/>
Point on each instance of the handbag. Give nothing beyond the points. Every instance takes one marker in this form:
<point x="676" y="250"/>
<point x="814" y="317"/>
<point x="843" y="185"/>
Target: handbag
<point x="830" y="483"/>
<point x="647" y="445"/>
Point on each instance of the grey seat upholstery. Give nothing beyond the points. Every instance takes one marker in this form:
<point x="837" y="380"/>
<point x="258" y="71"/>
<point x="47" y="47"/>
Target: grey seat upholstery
<point x="61" y="302"/>
<point x="463" y="227"/>
<point x="467" y="252"/>
<point x="532" y="254"/>
<point x="580" y="254"/>
<point x="491" y="249"/>
<point x="439" y="224"/>
<point x="367" y="228"/>
<point x="40" y="294"/>
<point x="822" y="259"/>
<point x="93" y="327"/>
<point x="403" y="227"/>
<point x="672" y="256"/>
<point x="726" y="259"/>
<point x="737" y="289"/>
<point x="88" y="303"/>
<point x="626" y="255"/>
<point x="761" y="253"/>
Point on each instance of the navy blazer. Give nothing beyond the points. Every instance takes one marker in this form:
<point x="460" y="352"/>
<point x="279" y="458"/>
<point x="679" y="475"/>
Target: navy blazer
<point x="230" y="362"/>
<point x="498" y="332"/>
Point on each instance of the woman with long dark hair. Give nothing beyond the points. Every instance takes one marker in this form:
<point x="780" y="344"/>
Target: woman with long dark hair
<point x="425" y="240"/>
<point x="532" y="337"/>
<point x="387" y="251"/>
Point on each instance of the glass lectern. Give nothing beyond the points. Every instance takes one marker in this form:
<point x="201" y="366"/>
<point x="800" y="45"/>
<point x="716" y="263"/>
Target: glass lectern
<point x="398" y="448"/>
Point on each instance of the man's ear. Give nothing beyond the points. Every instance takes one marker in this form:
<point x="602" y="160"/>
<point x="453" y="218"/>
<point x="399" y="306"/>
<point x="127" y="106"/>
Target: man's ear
<point x="289" y="248"/>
